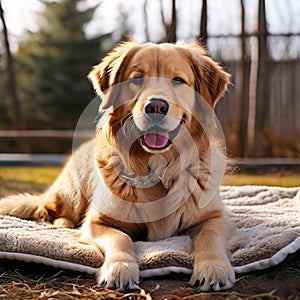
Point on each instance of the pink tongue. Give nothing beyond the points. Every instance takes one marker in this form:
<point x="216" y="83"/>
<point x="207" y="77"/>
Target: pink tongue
<point x="156" y="140"/>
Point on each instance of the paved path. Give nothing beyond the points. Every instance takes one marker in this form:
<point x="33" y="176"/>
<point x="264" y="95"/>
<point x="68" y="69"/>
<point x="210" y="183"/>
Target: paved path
<point x="14" y="159"/>
<point x="245" y="164"/>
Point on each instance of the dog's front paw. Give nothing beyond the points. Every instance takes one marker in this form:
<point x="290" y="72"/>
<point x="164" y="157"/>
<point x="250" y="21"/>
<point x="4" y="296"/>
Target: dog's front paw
<point x="213" y="275"/>
<point x="119" y="274"/>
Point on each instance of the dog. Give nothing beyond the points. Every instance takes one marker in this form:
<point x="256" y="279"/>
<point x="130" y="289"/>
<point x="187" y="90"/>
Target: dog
<point x="153" y="169"/>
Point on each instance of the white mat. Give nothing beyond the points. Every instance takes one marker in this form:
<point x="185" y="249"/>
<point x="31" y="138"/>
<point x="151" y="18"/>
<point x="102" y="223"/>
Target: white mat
<point x="267" y="230"/>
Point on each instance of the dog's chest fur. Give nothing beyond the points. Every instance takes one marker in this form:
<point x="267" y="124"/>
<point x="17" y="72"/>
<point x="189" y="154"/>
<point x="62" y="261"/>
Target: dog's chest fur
<point x="155" y="218"/>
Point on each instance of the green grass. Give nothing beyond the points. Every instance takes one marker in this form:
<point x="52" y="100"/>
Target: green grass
<point x="26" y="179"/>
<point x="37" y="179"/>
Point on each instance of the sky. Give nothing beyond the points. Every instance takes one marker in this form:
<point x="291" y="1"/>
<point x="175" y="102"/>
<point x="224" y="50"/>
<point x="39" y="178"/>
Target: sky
<point x="224" y="16"/>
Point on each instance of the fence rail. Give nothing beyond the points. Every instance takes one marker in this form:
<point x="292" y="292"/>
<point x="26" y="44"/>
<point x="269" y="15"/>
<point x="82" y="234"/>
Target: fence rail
<point x="45" y="133"/>
<point x="42" y="141"/>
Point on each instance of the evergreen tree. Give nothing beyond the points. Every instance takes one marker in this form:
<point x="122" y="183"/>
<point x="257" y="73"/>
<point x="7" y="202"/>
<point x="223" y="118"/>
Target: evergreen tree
<point x="53" y="64"/>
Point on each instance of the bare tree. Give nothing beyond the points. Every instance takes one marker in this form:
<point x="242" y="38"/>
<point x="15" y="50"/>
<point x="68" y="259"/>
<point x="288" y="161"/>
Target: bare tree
<point x="203" y="24"/>
<point x="242" y="94"/>
<point x="170" y="28"/>
<point x="146" y="20"/>
<point x="258" y="87"/>
<point x="11" y="77"/>
<point x="172" y="34"/>
<point x="262" y="77"/>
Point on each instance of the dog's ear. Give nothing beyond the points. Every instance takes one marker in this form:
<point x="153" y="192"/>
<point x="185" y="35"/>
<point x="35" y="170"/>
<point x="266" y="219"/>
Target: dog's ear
<point x="211" y="80"/>
<point x="109" y="71"/>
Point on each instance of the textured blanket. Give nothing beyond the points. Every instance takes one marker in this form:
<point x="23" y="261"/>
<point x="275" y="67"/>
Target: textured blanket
<point x="267" y="223"/>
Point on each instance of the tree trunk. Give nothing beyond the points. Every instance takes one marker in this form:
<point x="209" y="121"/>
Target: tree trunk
<point x="146" y="21"/>
<point x="262" y="81"/>
<point x="172" y="35"/>
<point x="242" y="94"/>
<point x="11" y="77"/>
<point x="170" y="28"/>
<point x="203" y="24"/>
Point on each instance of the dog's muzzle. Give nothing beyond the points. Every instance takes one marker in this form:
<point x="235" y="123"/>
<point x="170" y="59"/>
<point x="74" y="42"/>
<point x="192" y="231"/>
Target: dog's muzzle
<point x="157" y="138"/>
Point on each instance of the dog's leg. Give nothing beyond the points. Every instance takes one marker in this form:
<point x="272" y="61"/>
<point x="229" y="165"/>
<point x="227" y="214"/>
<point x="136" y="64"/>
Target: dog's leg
<point x="212" y="268"/>
<point x="39" y="208"/>
<point x="120" y="268"/>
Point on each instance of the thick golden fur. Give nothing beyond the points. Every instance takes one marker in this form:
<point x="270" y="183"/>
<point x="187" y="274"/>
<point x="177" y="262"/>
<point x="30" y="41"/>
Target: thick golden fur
<point x="118" y="156"/>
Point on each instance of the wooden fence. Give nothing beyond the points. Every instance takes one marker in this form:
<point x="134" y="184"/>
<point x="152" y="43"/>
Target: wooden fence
<point x="280" y="132"/>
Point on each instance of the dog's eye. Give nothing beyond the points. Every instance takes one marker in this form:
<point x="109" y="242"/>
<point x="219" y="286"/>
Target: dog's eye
<point x="178" y="81"/>
<point x="138" y="81"/>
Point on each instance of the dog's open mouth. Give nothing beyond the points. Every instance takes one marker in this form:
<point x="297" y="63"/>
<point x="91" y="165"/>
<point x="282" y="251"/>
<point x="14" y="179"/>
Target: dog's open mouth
<point x="158" y="139"/>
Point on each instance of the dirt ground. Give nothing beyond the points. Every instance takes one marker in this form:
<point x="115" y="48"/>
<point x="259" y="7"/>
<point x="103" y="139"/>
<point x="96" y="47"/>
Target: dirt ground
<point x="32" y="281"/>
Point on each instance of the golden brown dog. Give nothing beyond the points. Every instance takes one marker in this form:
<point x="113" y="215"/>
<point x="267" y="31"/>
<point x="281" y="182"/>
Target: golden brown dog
<point x="152" y="170"/>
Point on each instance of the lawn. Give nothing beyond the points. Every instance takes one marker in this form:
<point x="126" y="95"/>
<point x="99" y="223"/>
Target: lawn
<point x="26" y="179"/>
<point x="272" y="179"/>
<point x="36" y="179"/>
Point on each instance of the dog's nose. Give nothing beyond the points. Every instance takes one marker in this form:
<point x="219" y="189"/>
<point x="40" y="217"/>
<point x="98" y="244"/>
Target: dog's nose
<point x="157" y="108"/>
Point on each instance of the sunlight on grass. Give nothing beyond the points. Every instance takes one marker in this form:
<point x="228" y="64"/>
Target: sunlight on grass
<point x="291" y="180"/>
<point x="26" y="179"/>
<point x="38" y="175"/>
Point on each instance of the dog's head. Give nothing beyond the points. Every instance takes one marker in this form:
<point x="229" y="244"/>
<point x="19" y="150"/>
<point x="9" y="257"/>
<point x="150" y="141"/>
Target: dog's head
<point x="149" y="89"/>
